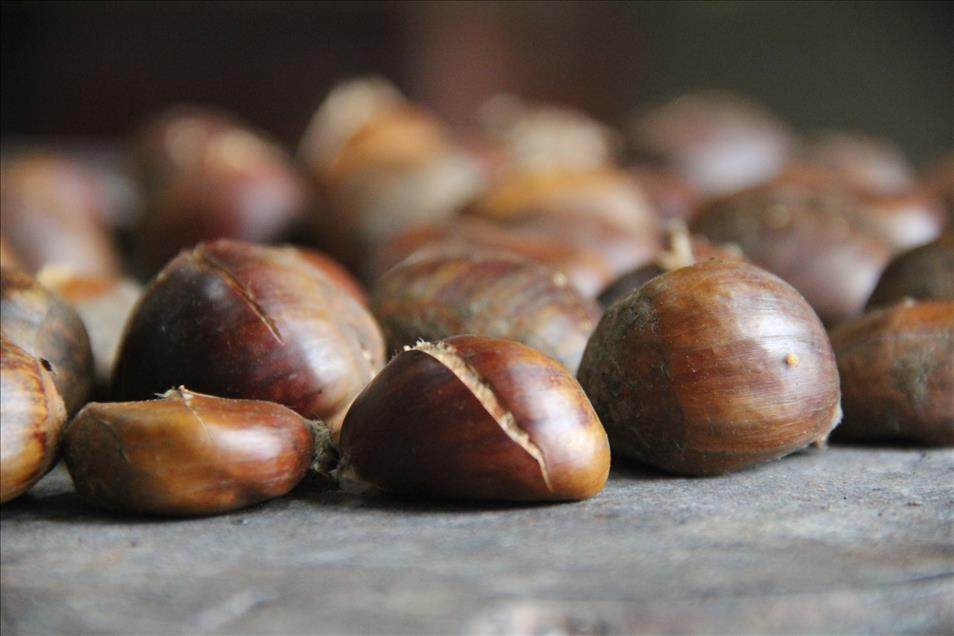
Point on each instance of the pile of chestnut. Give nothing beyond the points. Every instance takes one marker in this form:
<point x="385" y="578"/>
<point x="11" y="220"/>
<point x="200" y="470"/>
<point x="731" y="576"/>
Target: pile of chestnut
<point x="473" y="314"/>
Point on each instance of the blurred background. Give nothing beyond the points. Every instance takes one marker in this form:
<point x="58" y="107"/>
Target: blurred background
<point x="97" y="69"/>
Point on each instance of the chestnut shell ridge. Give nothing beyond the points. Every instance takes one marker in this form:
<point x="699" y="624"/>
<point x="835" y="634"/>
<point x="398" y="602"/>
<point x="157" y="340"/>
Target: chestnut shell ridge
<point x="243" y="321"/>
<point x="477" y="419"/>
<point x="712" y="368"/>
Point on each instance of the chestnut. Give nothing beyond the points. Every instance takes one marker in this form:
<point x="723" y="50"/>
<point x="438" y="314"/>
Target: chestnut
<point x="815" y="235"/>
<point x="445" y="290"/>
<point x="924" y="273"/>
<point x="45" y="326"/>
<point x="541" y="136"/>
<point x="186" y="453"/>
<point x="864" y="162"/>
<point x="52" y="214"/>
<point x="720" y="142"/>
<point x="671" y="195"/>
<point x="603" y="192"/>
<point x="475" y="418"/>
<point x="103" y="304"/>
<point x="215" y="180"/>
<point x="381" y="165"/>
<point x="239" y="320"/>
<point x="9" y="259"/>
<point x="684" y="249"/>
<point x="31" y="417"/>
<point x="712" y="368"/>
<point x="897" y="373"/>
<point x="938" y="181"/>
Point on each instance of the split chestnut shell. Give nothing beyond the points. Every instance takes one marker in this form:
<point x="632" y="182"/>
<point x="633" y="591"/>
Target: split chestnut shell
<point x="475" y="418"/>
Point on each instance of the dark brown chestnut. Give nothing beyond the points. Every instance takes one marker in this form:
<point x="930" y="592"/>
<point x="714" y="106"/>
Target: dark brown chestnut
<point x="445" y="290"/>
<point x="52" y="215"/>
<point x="31" y="417"/>
<point x="475" y="418"/>
<point x="186" y="453"/>
<point x="243" y="321"/>
<point x="924" y="273"/>
<point x="712" y="368"/>
<point x="47" y="327"/>
<point x="103" y="304"/>
<point x="897" y="373"/>
<point x="719" y="141"/>
<point x="211" y="179"/>
<point x="816" y="236"/>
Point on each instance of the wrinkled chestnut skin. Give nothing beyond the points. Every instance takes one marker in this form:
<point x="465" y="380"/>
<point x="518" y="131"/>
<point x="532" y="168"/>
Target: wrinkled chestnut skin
<point x="712" y="368"/>
<point x="31" y="418"/>
<point x="47" y="327"/>
<point x="212" y="178"/>
<point x="103" y="304"/>
<point x="244" y="321"/>
<point x="443" y="291"/>
<point x="52" y="215"/>
<point x="701" y="250"/>
<point x="186" y="453"/>
<point x="718" y="141"/>
<point x="924" y="273"/>
<point x="818" y="238"/>
<point x="435" y="423"/>
<point x="897" y="373"/>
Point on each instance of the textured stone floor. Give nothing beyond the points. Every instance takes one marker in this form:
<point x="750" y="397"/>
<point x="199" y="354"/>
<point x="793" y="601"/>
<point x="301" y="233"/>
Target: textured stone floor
<point x="846" y="540"/>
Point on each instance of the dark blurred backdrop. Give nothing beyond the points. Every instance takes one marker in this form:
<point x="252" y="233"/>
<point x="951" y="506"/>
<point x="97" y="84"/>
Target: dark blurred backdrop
<point x="98" y="68"/>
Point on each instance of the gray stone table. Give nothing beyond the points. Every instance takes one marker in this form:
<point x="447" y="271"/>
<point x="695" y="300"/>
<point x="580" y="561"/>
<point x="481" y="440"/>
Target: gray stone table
<point x="845" y="540"/>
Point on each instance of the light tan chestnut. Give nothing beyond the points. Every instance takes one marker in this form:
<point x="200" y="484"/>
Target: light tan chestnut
<point x="897" y="373"/>
<point x="475" y="418"/>
<point x="712" y="368"/>
<point x="31" y="416"/>
<point x="187" y="453"/>
<point x="444" y="290"/>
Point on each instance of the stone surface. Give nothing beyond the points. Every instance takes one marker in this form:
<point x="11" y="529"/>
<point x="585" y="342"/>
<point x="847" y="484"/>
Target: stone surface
<point x="845" y="540"/>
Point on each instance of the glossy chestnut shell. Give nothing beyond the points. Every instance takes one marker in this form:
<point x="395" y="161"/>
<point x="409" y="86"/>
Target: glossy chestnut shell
<point x="443" y="291"/>
<point x="244" y="321"/>
<point x="924" y="273"/>
<point x="31" y="418"/>
<point x="712" y="368"/>
<point x="475" y="418"/>
<point x="897" y="373"/>
<point x="186" y="453"/>
<point x="47" y="327"/>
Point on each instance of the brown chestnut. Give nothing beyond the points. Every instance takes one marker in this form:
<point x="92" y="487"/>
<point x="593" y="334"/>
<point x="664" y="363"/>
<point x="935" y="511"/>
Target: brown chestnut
<point x="47" y="327"/>
<point x="216" y="179"/>
<point x="103" y="304"/>
<point x="720" y="142"/>
<point x="924" y="273"/>
<point x="381" y="166"/>
<point x="31" y="416"/>
<point x="542" y="136"/>
<point x="816" y="236"/>
<point x="866" y="163"/>
<point x="684" y="249"/>
<point x="186" y="453"/>
<point x="671" y="195"/>
<point x="52" y="214"/>
<point x="897" y="373"/>
<point x="445" y="290"/>
<point x="712" y="368"/>
<point x="939" y="182"/>
<point x="475" y="418"/>
<point x="244" y="321"/>
<point x="603" y="192"/>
